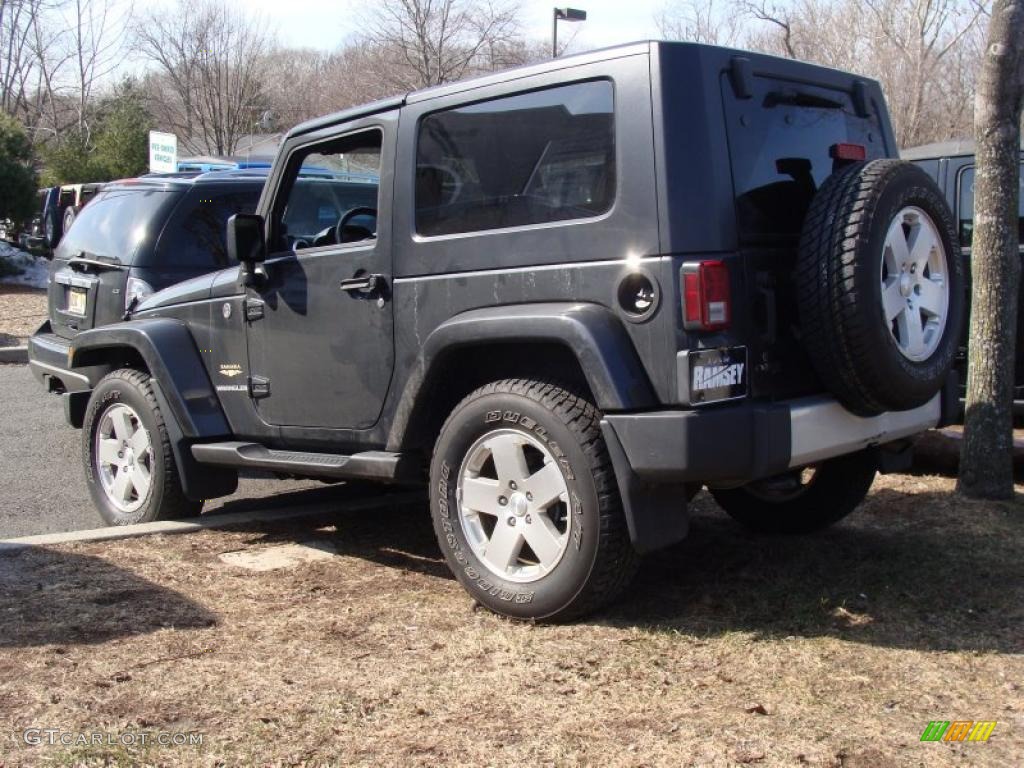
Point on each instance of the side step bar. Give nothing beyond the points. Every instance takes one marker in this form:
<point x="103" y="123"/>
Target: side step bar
<point x="369" y="465"/>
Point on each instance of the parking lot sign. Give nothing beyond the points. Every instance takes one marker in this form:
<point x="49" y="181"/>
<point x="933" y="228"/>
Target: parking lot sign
<point x="163" y="152"/>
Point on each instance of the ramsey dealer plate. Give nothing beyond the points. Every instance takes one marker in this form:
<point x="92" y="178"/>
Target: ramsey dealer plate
<point x="712" y="375"/>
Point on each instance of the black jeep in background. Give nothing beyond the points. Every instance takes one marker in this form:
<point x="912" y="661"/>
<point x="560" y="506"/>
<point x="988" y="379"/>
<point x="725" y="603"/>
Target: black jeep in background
<point x="951" y="164"/>
<point x="581" y="291"/>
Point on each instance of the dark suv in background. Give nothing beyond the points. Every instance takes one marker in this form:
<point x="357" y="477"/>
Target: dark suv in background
<point x="138" y="236"/>
<point x="951" y="164"/>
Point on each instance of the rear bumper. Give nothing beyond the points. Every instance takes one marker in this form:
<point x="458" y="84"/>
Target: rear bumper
<point x="660" y="457"/>
<point x="48" y="359"/>
<point x="734" y="445"/>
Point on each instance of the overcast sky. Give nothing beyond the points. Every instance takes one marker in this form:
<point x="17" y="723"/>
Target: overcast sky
<point x="326" y="23"/>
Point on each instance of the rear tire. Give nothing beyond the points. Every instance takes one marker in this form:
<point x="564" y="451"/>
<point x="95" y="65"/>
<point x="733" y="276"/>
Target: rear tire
<point x="525" y="505"/>
<point x="129" y="464"/>
<point x="793" y="503"/>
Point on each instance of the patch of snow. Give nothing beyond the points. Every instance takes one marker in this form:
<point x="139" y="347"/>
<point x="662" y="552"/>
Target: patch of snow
<point x="34" y="270"/>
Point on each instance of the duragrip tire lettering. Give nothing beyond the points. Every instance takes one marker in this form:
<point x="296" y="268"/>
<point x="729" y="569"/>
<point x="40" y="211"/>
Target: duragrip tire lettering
<point x="444" y="509"/>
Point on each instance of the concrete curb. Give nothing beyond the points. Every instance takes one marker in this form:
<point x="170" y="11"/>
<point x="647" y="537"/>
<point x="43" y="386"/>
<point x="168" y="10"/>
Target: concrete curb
<point x="205" y="522"/>
<point x="13" y="354"/>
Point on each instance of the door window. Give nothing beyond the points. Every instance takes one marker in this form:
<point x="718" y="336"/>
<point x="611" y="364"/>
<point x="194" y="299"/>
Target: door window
<point x="331" y="195"/>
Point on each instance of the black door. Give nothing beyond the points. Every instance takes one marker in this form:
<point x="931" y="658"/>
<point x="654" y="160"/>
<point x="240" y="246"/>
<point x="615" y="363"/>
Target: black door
<point x="322" y="353"/>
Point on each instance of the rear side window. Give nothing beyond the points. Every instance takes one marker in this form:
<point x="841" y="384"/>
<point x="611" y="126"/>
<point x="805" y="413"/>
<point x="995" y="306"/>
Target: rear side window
<point x="532" y="158"/>
<point x="195" y="236"/>
<point x="965" y="209"/>
<point x="779" y="142"/>
<point x="116" y="222"/>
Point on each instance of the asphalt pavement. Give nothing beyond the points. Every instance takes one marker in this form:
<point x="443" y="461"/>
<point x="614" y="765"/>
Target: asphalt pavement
<point x="42" y="483"/>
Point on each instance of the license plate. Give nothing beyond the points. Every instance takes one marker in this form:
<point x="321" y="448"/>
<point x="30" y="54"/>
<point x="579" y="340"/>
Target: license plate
<point x="717" y="374"/>
<point x="76" y="301"/>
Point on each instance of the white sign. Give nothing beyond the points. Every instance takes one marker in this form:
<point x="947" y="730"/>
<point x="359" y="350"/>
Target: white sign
<point x="163" y="152"/>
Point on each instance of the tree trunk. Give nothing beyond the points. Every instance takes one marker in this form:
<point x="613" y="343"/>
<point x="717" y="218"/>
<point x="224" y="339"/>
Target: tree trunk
<point x="986" y="462"/>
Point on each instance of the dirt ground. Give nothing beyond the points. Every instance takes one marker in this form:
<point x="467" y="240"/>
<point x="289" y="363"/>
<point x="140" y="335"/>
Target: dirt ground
<point x="729" y="649"/>
<point x="22" y="310"/>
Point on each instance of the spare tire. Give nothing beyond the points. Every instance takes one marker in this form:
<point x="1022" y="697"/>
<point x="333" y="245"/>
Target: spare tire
<point x="69" y="217"/>
<point x="53" y="228"/>
<point x="880" y="286"/>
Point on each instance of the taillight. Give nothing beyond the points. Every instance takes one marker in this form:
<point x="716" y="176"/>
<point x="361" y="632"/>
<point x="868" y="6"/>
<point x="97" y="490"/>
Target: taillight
<point x="707" y="303"/>
<point x="849" y="152"/>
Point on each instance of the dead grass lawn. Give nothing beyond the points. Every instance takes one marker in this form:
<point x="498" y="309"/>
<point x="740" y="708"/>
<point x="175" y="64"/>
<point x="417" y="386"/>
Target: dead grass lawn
<point x="831" y="650"/>
<point x="22" y="310"/>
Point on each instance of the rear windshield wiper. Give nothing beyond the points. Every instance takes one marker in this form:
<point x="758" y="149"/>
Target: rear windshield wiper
<point x="799" y="99"/>
<point x="85" y="260"/>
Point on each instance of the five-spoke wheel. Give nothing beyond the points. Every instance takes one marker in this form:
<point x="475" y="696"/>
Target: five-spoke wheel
<point x="123" y="457"/>
<point x="915" y="291"/>
<point x="514" y="505"/>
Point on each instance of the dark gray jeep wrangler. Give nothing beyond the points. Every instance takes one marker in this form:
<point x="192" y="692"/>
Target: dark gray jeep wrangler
<point x="587" y="289"/>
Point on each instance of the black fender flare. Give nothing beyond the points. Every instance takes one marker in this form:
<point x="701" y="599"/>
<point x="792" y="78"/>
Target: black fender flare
<point x="167" y="348"/>
<point x="183" y="388"/>
<point x="592" y="333"/>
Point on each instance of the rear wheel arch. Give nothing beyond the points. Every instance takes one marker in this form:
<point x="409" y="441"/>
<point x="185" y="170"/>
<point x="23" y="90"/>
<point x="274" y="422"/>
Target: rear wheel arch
<point x="459" y="370"/>
<point x="583" y="346"/>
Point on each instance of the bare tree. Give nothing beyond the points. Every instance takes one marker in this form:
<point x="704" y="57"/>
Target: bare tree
<point x="46" y="113"/>
<point x="18" y="20"/>
<point x="919" y="36"/>
<point x="924" y="52"/>
<point x="93" y="42"/>
<point x="714" y="22"/>
<point x="210" y="64"/>
<point x="428" y="42"/>
<point x="986" y="463"/>
<point x="780" y="18"/>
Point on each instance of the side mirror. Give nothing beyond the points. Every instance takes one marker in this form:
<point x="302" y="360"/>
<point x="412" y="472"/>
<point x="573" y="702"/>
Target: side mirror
<point x="246" y="239"/>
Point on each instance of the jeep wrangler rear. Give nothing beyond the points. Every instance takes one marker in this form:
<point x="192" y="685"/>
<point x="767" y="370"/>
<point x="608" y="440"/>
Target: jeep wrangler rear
<point x="575" y="294"/>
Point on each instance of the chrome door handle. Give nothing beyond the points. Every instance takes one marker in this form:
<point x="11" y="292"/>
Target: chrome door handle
<point x="364" y="284"/>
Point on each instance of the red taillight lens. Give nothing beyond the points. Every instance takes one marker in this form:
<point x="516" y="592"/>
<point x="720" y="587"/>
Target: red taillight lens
<point x="854" y="152"/>
<point x="707" y="301"/>
<point x="691" y="299"/>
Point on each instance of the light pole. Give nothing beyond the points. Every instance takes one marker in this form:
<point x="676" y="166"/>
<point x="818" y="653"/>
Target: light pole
<point x="563" y="14"/>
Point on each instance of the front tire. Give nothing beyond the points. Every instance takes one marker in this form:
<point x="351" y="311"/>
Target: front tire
<point x="525" y="505"/>
<point x="129" y="465"/>
<point x="804" y="500"/>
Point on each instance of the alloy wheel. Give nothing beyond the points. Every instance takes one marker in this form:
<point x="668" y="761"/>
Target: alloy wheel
<point x="123" y="457"/>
